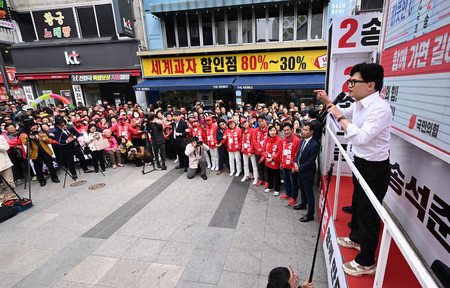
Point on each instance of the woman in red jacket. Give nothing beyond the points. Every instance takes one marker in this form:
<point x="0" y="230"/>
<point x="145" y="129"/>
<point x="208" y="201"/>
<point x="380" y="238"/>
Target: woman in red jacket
<point x="248" y="151"/>
<point x="233" y="141"/>
<point x="272" y="155"/>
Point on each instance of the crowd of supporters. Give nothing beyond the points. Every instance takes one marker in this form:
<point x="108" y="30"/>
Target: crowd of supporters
<point x="257" y="143"/>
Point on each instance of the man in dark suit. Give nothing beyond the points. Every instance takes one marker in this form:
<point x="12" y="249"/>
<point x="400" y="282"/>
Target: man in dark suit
<point x="317" y="125"/>
<point x="68" y="146"/>
<point x="305" y="167"/>
<point x="180" y="132"/>
<point x="158" y="141"/>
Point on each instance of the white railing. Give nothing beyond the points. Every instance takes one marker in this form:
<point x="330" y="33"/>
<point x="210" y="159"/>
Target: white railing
<point x="390" y="230"/>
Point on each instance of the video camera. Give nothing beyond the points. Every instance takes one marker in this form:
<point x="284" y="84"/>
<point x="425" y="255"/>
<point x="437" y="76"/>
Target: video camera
<point x="25" y="122"/>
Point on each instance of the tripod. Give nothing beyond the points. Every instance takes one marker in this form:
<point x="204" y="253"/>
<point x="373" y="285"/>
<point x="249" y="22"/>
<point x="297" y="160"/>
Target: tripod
<point x="27" y="177"/>
<point x="330" y="172"/>
<point x="147" y="146"/>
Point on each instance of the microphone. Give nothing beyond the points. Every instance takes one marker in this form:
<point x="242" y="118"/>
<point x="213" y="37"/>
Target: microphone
<point x="336" y="100"/>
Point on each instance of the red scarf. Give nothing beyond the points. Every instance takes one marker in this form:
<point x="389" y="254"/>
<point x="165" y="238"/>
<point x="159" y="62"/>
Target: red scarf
<point x="271" y="141"/>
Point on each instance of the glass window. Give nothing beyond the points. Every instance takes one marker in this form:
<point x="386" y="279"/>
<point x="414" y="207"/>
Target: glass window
<point x="182" y="33"/>
<point x="274" y="23"/>
<point x="232" y="19"/>
<point x="302" y="20"/>
<point x="26" y="27"/>
<point x="260" y="18"/>
<point x="105" y="20"/>
<point x="317" y="20"/>
<point x="207" y="29"/>
<point x="170" y="31"/>
<point x="219" y="18"/>
<point x="194" y="33"/>
<point x="247" y="36"/>
<point x="288" y="22"/>
<point x="86" y="19"/>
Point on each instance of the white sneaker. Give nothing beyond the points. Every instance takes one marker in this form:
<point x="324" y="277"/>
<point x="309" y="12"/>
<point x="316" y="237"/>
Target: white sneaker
<point x="209" y="166"/>
<point x="231" y="174"/>
<point x="237" y="174"/>
<point x="217" y="169"/>
<point x="267" y="190"/>
<point x="255" y="181"/>
<point x="176" y="161"/>
<point x="245" y="178"/>
<point x="212" y="167"/>
<point x="276" y="193"/>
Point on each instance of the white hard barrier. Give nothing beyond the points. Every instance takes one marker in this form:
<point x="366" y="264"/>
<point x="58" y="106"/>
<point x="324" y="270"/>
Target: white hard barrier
<point x="390" y="230"/>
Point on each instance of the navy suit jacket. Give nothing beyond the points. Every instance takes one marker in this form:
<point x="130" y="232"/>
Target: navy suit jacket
<point x="307" y="160"/>
<point x="62" y="138"/>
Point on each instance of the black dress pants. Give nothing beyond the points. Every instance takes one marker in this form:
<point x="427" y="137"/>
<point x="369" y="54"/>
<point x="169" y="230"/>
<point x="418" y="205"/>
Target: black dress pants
<point x="262" y="168"/>
<point x="161" y="150"/>
<point x="273" y="178"/>
<point x="44" y="157"/>
<point x="179" y="146"/>
<point x="366" y="223"/>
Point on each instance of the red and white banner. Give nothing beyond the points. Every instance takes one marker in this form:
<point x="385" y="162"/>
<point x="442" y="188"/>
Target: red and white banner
<point x="416" y="61"/>
<point x="331" y="251"/>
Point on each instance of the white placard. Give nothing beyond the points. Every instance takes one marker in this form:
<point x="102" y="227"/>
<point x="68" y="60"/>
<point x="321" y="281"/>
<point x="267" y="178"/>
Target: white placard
<point x="78" y="93"/>
<point x="359" y="33"/>
<point x="28" y="90"/>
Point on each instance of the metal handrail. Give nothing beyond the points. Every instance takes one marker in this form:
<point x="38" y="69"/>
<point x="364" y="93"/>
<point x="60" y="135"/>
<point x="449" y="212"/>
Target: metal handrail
<point x="416" y="265"/>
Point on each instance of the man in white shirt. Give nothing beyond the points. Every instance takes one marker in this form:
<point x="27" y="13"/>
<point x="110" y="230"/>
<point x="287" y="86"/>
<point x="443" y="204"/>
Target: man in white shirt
<point x="367" y="124"/>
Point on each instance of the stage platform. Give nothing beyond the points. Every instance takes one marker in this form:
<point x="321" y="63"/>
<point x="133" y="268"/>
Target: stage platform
<point x="398" y="272"/>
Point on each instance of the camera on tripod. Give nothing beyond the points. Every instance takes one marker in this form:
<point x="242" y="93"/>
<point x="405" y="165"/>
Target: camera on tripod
<point x="25" y="123"/>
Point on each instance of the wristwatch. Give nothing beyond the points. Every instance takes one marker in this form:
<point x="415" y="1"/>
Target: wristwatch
<point x="340" y="118"/>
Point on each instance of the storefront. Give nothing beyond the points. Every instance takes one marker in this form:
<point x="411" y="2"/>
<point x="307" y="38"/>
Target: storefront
<point x="15" y="87"/>
<point x="84" y="71"/>
<point x="250" y="77"/>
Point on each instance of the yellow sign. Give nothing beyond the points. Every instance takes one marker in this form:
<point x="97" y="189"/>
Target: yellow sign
<point x="287" y="61"/>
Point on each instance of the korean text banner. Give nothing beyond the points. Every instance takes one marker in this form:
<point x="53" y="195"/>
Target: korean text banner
<point x="417" y="68"/>
<point x="56" y="23"/>
<point x="287" y="61"/>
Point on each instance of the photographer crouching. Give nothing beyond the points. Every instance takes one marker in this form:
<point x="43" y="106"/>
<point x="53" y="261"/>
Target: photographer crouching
<point x="196" y="151"/>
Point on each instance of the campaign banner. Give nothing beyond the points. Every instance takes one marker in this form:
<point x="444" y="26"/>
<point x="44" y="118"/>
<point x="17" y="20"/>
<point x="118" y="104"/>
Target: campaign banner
<point x="409" y="19"/>
<point x="78" y="93"/>
<point x="416" y="61"/>
<point x="266" y="62"/>
<point x="356" y="34"/>
<point x="28" y="94"/>
<point x="419" y="198"/>
<point x="100" y="78"/>
<point x="331" y="251"/>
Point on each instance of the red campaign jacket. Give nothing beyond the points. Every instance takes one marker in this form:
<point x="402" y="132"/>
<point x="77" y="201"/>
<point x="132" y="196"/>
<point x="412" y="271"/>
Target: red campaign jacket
<point x="259" y="137"/>
<point x="233" y="140"/>
<point x="275" y="155"/>
<point x="81" y="129"/>
<point x="247" y="141"/>
<point x="199" y="133"/>
<point x="289" y="148"/>
<point x="211" y="139"/>
<point x="124" y="130"/>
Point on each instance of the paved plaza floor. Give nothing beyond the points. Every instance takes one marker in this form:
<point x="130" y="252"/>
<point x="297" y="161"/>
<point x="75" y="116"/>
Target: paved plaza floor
<point x="155" y="230"/>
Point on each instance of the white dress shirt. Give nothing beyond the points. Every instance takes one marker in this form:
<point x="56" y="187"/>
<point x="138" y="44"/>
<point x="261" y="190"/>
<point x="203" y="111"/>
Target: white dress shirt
<point x="369" y="129"/>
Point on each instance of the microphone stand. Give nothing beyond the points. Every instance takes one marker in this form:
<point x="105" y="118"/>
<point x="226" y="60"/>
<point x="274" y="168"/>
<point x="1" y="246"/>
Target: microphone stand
<point x="330" y="172"/>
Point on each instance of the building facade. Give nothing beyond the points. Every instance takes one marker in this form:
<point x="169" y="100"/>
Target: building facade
<point x="83" y="50"/>
<point x="239" y="51"/>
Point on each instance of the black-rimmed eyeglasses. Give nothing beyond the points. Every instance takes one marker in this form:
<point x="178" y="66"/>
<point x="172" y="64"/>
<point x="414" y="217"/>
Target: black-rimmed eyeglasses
<point x="352" y="83"/>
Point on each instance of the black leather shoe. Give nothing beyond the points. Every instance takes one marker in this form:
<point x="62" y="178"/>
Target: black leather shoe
<point x="185" y="169"/>
<point x="74" y="178"/>
<point x="204" y="177"/>
<point x="178" y="167"/>
<point x="55" y="180"/>
<point x="347" y="209"/>
<point x="300" y="206"/>
<point x="307" y="218"/>
<point x="158" y="165"/>
<point x="164" y="167"/>
<point x="43" y="182"/>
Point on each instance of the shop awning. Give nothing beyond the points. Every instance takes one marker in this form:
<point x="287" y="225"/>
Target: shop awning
<point x="286" y="81"/>
<point x="186" y="83"/>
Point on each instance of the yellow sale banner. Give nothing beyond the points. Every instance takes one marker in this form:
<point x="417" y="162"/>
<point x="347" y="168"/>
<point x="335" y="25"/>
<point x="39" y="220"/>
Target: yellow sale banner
<point x="266" y="62"/>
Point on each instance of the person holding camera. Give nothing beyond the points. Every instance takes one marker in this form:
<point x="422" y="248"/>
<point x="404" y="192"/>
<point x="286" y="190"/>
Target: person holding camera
<point x="196" y="151"/>
<point x="68" y="146"/>
<point x="158" y="142"/>
<point x="97" y="155"/>
<point x="139" y="156"/>
<point x="40" y="153"/>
